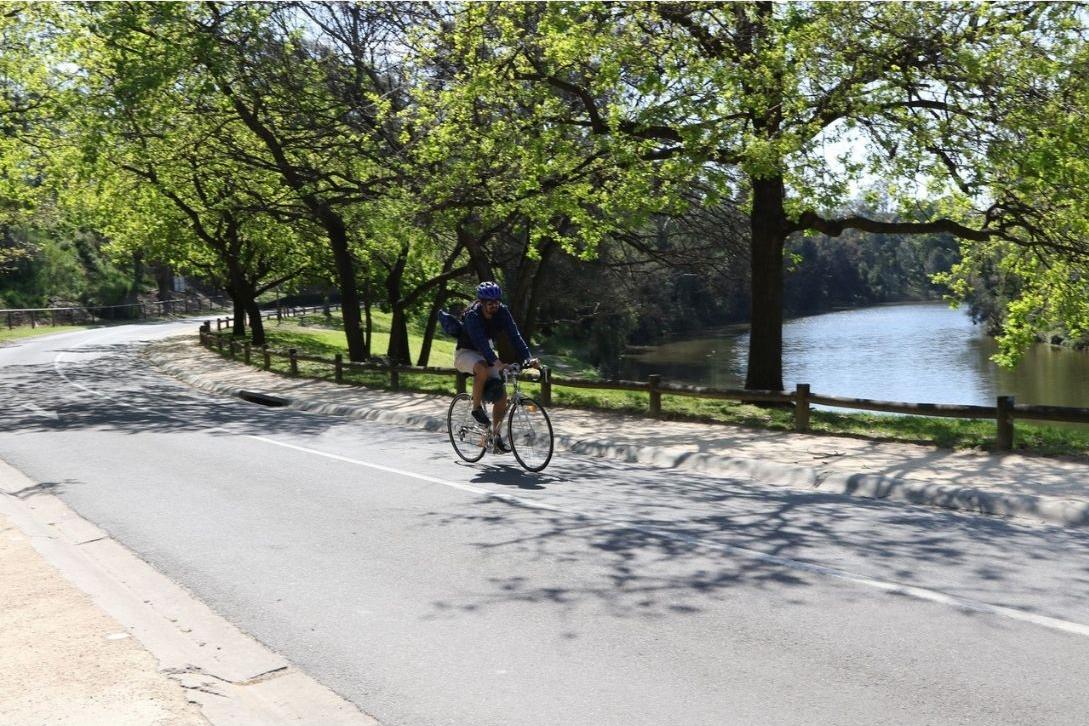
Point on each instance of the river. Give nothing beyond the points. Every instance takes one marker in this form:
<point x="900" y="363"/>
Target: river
<point x="914" y="352"/>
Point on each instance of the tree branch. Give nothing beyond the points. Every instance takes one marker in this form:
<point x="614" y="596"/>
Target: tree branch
<point x="836" y="227"/>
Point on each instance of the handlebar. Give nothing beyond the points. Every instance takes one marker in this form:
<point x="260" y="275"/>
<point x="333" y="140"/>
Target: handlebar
<point x="516" y="369"/>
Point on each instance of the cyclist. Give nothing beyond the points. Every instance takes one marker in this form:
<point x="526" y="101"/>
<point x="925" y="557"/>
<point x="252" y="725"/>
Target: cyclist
<point x="482" y="322"/>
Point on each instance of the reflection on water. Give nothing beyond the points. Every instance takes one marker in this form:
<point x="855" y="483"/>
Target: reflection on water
<point x="918" y="352"/>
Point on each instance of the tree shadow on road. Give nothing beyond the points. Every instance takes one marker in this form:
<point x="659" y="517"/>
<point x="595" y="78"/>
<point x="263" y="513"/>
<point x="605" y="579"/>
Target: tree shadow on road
<point x="644" y="542"/>
<point x="115" y="392"/>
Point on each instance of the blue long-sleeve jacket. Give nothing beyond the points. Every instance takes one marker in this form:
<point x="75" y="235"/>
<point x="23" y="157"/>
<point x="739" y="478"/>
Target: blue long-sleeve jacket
<point x="477" y="332"/>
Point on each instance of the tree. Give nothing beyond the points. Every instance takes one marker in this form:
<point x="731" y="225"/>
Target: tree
<point x="28" y="111"/>
<point x="167" y="188"/>
<point x="748" y="95"/>
<point x="1034" y="281"/>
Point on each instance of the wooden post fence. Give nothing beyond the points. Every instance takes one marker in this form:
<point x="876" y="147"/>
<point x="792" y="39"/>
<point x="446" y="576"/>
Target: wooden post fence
<point x="803" y="399"/>
<point x="1004" y="438"/>
<point x="801" y="407"/>
<point x="546" y="386"/>
<point x="655" y="380"/>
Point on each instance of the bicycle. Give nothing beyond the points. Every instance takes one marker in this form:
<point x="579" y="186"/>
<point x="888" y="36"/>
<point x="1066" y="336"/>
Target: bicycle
<point x="529" y="430"/>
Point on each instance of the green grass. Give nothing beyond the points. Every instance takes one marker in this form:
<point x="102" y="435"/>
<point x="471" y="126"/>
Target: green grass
<point x="25" y="331"/>
<point x="314" y="335"/>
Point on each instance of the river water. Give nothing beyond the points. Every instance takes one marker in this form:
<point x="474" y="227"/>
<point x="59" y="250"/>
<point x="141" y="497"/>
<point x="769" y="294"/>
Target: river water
<point x="913" y="352"/>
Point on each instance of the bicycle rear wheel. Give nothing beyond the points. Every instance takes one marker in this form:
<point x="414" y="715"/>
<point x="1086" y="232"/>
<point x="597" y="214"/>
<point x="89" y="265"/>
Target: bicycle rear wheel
<point x="468" y="437"/>
<point x="529" y="432"/>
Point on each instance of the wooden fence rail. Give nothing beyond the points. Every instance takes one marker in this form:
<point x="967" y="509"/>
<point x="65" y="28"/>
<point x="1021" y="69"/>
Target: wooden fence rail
<point x="16" y="317"/>
<point x="1004" y="412"/>
<point x="282" y="312"/>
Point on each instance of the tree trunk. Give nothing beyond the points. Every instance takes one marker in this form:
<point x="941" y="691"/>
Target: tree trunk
<point x="257" y="323"/>
<point x="478" y="258"/>
<point x="345" y="269"/>
<point x="429" y="329"/>
<point x="769" y="224"/>
<point x="398" y="331"/>
<point x="370" y="320"/>
<point x="528" y="323"/>
<point x="398" y="338"/>
<point x="138" y="270"/>
<point x="164" y="278"/>
<point x="241" y="294"/>
<point x="238" y="298"/>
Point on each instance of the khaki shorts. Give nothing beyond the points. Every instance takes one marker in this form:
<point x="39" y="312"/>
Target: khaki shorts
<point x="466" y="358"/>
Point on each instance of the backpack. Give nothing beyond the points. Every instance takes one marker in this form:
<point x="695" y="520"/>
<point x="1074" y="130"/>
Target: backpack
<point x="450" y="324"/>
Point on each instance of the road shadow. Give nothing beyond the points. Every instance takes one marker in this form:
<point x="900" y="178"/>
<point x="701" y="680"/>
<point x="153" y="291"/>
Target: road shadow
<point x="115" y="391"/>
<point x="510" y="474"/>
<point x="45" y="487"/>
<point x="654" y="543"/>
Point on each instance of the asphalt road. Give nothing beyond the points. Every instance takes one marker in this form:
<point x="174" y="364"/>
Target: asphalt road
<point x="428" y="591"/>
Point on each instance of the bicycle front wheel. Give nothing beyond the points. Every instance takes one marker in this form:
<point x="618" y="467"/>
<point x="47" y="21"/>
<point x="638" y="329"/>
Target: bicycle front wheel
<point x="468" y="437"/>
<point x="529" y="432"/>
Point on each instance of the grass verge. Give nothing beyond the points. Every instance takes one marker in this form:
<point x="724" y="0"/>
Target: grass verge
<point x="318" y="336"/>
<point x="25" y="331"/>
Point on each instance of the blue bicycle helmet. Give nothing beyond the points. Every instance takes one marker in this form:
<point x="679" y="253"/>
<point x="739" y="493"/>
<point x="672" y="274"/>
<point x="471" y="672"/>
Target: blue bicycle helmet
<point x="488" y="291"/>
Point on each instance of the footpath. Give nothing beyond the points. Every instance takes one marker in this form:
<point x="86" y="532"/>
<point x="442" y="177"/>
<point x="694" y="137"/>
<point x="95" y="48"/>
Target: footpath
<point x="1049" y="490"/>
<point x="94" y="635"/>
<point x="91" y="635"/>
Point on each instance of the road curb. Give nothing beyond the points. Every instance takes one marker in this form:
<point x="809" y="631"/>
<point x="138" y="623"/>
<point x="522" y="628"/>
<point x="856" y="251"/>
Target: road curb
<point x="1052" y="510"/>
<point x="231" y="676"/>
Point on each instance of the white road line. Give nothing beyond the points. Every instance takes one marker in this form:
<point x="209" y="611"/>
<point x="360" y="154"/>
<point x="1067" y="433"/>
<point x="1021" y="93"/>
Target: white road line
<point x="919" y="593"/>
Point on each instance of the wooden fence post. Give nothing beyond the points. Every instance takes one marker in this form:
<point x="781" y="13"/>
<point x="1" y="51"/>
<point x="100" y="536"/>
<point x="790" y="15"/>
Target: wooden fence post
<point x="53" y="317"/>
<point x="1004" y="439"/>
<point x="219" y="343"/>
<point x="232" y="348"/>
<point x="267" y="358"/>
<point x="10" y="324"/>
<point x="338" y="363"/>
<point x="33" y="320"/>
<point x="246" y="352"/>
<point x="293" y="358"/>
<point x="801" y="407"/>
<point x="655" y="380"/>
<point x="219" y="325"/>
<point x="546" y="386"/>
<point x="459" y="381"/>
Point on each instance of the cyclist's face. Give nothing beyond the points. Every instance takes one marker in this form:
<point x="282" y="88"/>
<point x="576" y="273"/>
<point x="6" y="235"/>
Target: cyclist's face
<point x="489" y="307"/>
